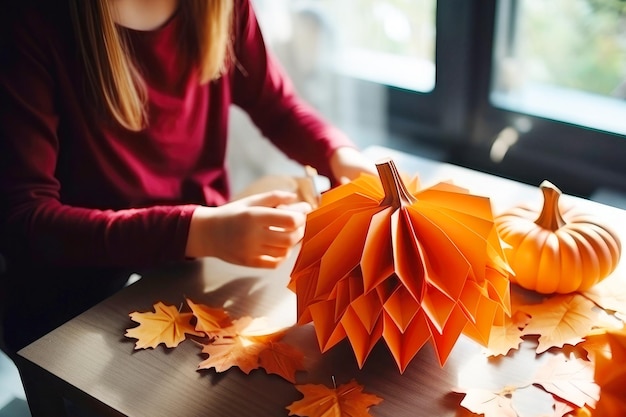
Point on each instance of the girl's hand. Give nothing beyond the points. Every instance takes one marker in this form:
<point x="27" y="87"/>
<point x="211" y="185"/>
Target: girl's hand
<point x="256" y="231"/>
<point x="348" y="163"/>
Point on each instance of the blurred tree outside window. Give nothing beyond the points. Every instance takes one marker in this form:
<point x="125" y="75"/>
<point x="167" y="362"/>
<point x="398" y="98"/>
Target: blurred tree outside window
<point x="563" y="60"/>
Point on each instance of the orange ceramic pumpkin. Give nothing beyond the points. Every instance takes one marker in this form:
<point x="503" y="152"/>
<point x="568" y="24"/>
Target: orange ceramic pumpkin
<point x="557" y="250"/>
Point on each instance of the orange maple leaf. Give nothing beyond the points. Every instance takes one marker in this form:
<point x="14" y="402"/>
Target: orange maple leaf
<point x="561" y="320"/>
<point x="281" y="359"/>
<point x="570" y="379"/>
<point x="347" y="400"/>
<point x="227" y="352"/>
<point x="596" y="343"/>
<point x="209" y="320"/>
<point x="246" y="346"/>
<point x="610" y="374"/>
<point x="488" y="403"/>
<point x="165" y="325"/>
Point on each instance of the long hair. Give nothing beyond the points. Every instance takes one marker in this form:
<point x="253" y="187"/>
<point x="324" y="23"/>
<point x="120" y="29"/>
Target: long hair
<point x="112" y="78"/>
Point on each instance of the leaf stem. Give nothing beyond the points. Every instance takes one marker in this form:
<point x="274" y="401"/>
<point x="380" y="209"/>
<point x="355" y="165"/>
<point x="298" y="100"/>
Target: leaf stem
<point x="396" y="193"/>
<point x="550" y="217"/>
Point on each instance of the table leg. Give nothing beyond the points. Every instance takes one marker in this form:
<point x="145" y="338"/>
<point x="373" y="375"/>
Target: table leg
<point x="43" y="393"/>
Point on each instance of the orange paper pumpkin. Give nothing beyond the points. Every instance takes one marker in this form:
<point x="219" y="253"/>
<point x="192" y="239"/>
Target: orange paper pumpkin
<point x="557" y="250"/>
<point x="380" y="261"/>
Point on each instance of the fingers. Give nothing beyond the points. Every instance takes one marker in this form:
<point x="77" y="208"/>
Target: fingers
<point x="267" y="262"/>
<point x="271" y="257"/>
<point x="280" y="219"/>
<point x="270" y="199"/>
<point x="281" y="238"/>
<point x="301" y="207"/>
<point x="257" y="231"/>
<point x="276" y="246"/>
<point x="350" y="163"/>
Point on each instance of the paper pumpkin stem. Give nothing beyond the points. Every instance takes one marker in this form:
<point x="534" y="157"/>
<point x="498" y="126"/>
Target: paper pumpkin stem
<point x="396" y="194"/>
<point x="550" y="217"/>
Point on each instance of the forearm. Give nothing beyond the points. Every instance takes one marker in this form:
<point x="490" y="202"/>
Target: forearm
<point x="264" y="90"/>
<point x="304" y="136"/>
<point x="58" y="235"/>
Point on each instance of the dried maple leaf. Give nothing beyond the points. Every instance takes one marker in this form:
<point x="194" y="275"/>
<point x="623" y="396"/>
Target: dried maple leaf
<point x="209" y="320"/>
<point x="488" y="403"/>
<point x="504" y="338"/>
<point x="347" y="400"/>
<point x="165" y="325"/>
<point x="560" y="320"/>
<point x="569" y="379"/>
<point x="246" y="346"/>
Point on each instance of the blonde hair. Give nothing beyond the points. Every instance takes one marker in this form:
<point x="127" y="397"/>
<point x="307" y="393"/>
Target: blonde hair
<point x="114" y="81"/>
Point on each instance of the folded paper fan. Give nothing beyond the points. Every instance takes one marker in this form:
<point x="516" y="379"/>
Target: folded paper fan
<point x="382" y="259"/>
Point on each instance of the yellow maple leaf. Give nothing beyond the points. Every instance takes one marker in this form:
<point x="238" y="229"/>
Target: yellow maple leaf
<point x="560" y="320"/>
<point x="165" y="325"/>
<point x="347" y="400"/>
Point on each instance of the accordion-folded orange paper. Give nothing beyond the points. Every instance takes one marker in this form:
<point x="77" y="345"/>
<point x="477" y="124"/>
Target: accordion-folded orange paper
<point x="381" y="258"/>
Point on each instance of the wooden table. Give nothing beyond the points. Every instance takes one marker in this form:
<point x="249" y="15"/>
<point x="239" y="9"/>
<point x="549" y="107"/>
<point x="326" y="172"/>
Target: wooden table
<point x="90" y="362"/>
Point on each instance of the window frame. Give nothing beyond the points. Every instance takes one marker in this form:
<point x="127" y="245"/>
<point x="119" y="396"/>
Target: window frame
<point x="457" y="115"/>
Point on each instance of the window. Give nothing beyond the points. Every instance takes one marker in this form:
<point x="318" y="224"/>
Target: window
<point x="391" y="42"/>
<point x="526" y="89"/>
<point x="563" y="60"/>
<point x="344" y="57"/>
<point x="547" y="104"/>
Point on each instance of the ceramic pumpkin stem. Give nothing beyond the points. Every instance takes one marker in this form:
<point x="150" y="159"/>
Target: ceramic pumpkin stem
<point x="396" y="194"/>
<point x="550" y="217"/>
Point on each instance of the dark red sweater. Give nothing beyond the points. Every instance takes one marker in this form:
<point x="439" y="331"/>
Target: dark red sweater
<point x="78" y="191"/>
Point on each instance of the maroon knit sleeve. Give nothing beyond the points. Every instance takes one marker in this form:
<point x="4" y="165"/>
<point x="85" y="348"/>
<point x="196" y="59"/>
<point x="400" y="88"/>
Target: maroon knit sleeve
<point x="263" y="89"/>
<point x="35" y="224"/>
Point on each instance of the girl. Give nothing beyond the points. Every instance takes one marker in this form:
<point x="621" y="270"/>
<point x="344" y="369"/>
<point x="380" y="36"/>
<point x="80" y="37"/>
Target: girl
<point x="112" y="146"/>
